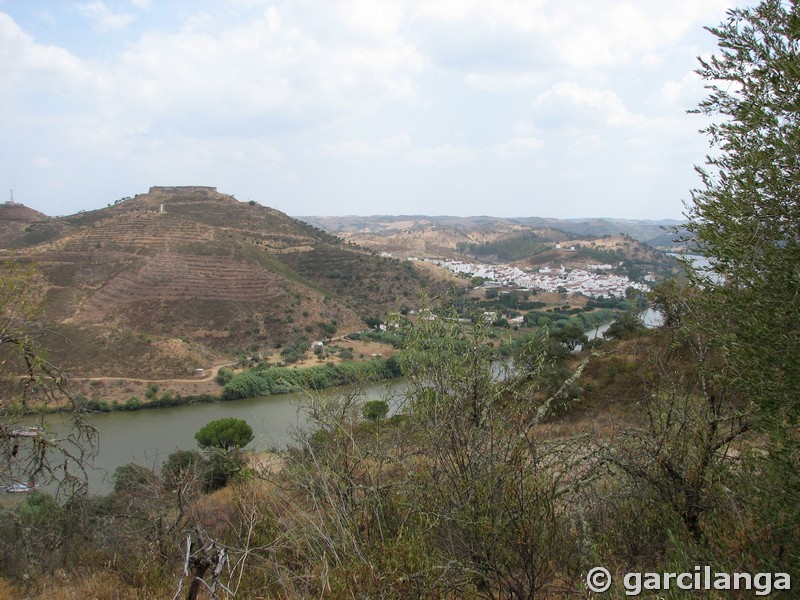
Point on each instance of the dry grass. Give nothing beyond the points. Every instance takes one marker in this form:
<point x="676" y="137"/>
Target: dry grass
<point x="97" y="585"/>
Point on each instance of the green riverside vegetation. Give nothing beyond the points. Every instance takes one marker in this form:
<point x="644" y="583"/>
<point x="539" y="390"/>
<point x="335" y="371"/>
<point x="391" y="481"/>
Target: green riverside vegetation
<point x="265" y="381"/>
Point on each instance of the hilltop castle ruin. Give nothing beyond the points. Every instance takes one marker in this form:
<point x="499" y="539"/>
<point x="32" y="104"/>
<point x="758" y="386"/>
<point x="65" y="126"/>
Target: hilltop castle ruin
<point x="182" y="189"/>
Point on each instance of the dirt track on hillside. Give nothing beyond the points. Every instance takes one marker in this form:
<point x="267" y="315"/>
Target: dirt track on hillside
<point x="208" y="375"/>
<point x="121" y="389"/>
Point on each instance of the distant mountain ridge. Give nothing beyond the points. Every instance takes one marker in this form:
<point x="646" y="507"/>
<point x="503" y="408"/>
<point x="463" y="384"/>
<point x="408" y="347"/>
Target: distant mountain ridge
<point x="427" y="236"/>
<point x="180" y="277"/>
<point x="639" y="229"/>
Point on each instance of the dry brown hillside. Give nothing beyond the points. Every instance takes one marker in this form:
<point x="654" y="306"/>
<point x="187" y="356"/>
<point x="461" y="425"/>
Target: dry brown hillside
<point x="427" y="237"/>
<point x="178" y="278"/>
<point x="521" y="242"/>
<point x="14" y="220"/>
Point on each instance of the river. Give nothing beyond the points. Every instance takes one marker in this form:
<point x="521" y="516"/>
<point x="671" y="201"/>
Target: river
<point x="148" y="436"/>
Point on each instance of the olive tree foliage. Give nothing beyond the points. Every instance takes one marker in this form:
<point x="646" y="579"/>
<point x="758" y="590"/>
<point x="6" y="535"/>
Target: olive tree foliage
<point x="746" y="216"/>
<point x="29" y="452"/>
<point x="492" y="490"/>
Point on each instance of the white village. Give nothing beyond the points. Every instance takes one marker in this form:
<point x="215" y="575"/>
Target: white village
<point x="595" y="281"/>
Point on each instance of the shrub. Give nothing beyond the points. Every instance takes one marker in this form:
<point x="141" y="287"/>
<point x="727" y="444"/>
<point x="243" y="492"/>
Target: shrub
<point x="180" y="464"/>
<point x="224" y="375"/>
<point x="221" y="467"/>
<point x="375" y="410"/>
<point x="248" y="384"/>
<point x="130" y="477"/>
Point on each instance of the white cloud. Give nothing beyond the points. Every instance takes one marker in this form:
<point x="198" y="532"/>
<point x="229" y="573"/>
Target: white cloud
<point x="503" y="81"/>
<point x="576" y="103"/>
<point x="265" y="66"/>
<point x="581" y="34"/>
<point x="682" y="94"/>
<point x="104" y="19"/>
<point x="617" y="34"/>
<point x="531" y="15"/>
<point x="585" y="146"/>
<point x="28" y="68"/>
<point x="446" y="154"/>
<point x="400" y="148"/>
<point x="375" y="19"/>
<point x="518" y="146"/>
<point x="367" y="149"/>
<point x="525" y="128"/>
<point x="217" y="90"/>
<point x="175" y="159"/>
<point x="42" y="162"/>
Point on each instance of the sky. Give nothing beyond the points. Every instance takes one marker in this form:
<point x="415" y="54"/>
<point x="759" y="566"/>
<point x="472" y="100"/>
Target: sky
<point x="507" y="108"/>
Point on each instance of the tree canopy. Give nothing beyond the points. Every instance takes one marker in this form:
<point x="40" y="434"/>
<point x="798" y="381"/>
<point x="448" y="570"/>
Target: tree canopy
<point x="746" y="220"/>
<point x="746" y="216"/>
<point x="225" y="434"/>
<point x="571" y="336"/>
<point x="625" y="327"/>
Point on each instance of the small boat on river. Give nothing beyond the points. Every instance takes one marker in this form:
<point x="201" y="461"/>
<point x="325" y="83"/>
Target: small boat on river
<point x="35" y="432"/>
<point x="21" y="488"/>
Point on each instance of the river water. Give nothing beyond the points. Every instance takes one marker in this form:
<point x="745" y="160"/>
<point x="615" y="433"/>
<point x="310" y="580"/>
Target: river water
<point x="148" y="436"/>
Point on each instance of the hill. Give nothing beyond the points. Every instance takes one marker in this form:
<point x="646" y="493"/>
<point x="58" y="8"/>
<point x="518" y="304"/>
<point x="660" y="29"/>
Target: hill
<point x="14" y="219"/>
<point x="421" y="236"/>
<point x="182" y="277"/>
<point x="528" y="243"/>
<point x="641" y="230"/>
<point x="478" y="228"/>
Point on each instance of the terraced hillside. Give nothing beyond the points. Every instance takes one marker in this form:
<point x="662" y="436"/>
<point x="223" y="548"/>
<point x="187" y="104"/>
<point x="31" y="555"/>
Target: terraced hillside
<point x="178" y="278"/>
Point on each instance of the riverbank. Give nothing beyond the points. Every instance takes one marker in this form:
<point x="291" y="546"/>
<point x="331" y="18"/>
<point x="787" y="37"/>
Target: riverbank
<point x="251" y="383"/>
<point x="121" y="388"/>
<point x="148" y="437"/>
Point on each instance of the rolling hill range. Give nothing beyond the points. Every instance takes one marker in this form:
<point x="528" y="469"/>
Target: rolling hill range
<point x="182" y="277"/>
<point x="437" y="234"/>
<point x="473" y="237"/>
<point x="527" y="243"/>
